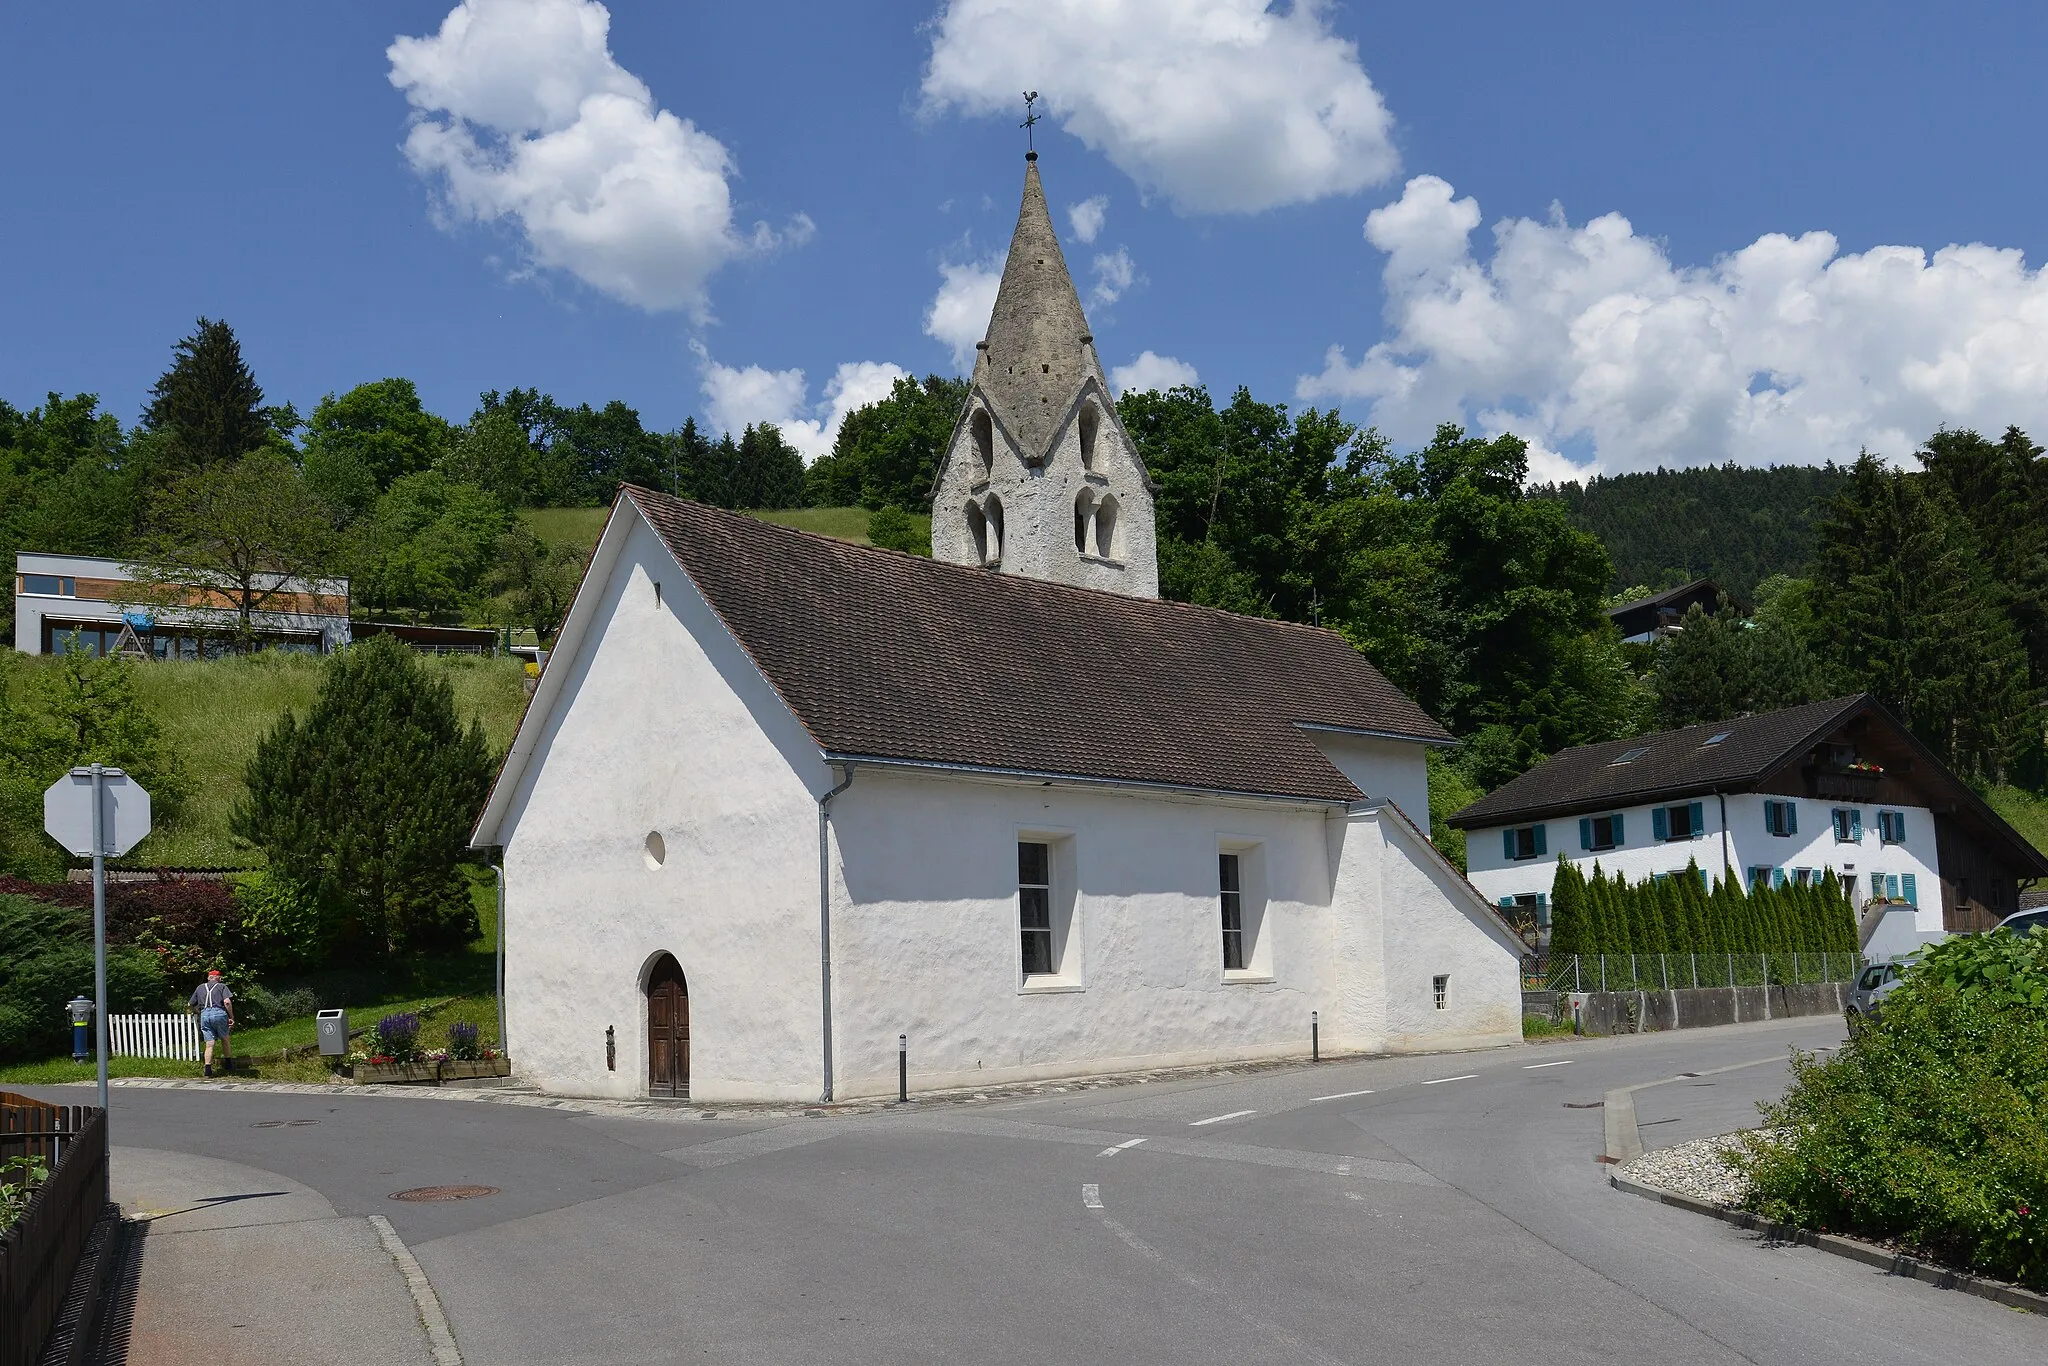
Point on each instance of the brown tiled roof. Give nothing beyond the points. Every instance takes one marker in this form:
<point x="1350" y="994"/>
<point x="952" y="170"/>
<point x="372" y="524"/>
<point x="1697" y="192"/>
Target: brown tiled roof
<point x="1673" y="763"/>
<point x="892" y="656"/>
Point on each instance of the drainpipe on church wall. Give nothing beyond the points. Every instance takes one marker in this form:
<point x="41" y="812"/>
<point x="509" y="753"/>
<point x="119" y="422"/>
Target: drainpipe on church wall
<point x="825" y="921"/>
<point x="1724" y="832"/>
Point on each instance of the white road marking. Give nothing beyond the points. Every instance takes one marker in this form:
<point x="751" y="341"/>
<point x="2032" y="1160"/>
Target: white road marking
<point x="1343" y="1169"/>
<point x="1218" y="1119"/>
<point x="1091" y="1196"/>
<point x="1341" y="1095"/>
<point x="1114" y="1149"/>
<point x="1561" y="1062"/>
<point x="1439" y="1081"/>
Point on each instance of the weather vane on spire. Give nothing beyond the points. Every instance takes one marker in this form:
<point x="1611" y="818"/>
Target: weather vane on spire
<point x="1030" y="120"/>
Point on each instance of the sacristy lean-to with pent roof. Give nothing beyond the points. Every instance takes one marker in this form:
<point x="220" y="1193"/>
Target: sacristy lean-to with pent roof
<point x="780" y="799"/>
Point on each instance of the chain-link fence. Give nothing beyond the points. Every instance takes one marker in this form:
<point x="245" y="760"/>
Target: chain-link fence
<point x="1674" y="971"/>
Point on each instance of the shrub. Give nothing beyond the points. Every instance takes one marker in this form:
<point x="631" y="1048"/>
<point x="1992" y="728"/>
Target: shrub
<point x="1931" y="1128"/>
<point x="398" y="1037"/>
<point x="280" y="921"/>
<point x="465" y="1043"/>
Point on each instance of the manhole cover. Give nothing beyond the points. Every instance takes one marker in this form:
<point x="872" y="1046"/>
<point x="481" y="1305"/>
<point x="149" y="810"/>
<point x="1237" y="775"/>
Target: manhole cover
<point x="422" y="1194"/>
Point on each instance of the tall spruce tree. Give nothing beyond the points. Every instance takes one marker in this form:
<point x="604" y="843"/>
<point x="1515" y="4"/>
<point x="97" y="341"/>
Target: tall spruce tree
<point x="1567" y="910"/>
<point x="208" y="403"/>
<point x="372" y="796"/>
<point x="1599" y="927"/>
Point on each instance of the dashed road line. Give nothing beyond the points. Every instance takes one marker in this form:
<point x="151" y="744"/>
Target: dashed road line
<point x="1218" y="1119"/>
<point x="1439" y="1081"/>
<point x="1114" y="1149"/>
<point x="1341" y="1095"/>
<point x="1091" y="1196"/>
<point x="1561" y="1062"/>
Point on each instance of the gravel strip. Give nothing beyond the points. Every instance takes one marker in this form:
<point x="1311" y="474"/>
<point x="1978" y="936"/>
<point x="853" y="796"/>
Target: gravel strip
<point x="1699" y="1169"/>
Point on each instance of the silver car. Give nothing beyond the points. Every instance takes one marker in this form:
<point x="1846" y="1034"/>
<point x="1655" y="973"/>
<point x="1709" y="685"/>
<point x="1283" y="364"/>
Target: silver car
<point x="2020" y="922"/>
<point x="1867" y="992"/>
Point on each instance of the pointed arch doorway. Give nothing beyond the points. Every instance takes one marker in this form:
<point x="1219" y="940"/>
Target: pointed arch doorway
<point x="668" y="1029"/>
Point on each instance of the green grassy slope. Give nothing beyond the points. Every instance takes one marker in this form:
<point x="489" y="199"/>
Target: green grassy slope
<point x="2025" y="811"/>
<point x="580" y="526"/>
<point x="214" y="712"/>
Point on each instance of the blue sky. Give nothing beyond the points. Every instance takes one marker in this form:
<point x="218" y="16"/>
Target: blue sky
<point x="812" y="177"/>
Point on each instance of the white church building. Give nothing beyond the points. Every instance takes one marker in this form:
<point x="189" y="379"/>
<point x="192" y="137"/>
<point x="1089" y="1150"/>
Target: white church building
<point x="779" y="799"/>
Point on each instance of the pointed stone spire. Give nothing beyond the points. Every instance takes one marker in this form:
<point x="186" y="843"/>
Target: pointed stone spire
<point x="1038" y="348"/>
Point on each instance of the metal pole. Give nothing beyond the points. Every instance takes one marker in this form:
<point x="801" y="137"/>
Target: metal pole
<point x="499" y="869"/>
<point x="902" y="1068"/>
<point x="1315" y="1036"/>
<point x="99" y="921"/>
<point x="1695" y="969"/>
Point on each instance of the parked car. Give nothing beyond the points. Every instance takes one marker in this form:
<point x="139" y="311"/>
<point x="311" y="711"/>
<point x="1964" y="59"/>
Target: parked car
<point x="1867" y="992"/>
<point x="2020" y="922"/>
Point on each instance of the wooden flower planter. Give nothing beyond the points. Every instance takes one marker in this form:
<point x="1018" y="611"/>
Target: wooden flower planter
<point x="430" y="1073"/>
<point x="397" y="1072"/>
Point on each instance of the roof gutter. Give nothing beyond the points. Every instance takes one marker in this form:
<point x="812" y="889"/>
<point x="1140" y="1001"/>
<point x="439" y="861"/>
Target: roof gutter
<point x="1446" y="741"/>
<point x="1078" y="779"/>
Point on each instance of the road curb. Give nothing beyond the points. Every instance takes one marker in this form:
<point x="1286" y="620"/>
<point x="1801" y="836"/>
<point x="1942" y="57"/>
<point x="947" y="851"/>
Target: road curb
<point x="440" y="1338"/>
<point x="1856" y="1250"/>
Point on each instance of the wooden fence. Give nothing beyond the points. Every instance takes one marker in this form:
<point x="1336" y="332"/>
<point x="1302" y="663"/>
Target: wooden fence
<point x="153" y="1036"/>
<point x="40" y="1252"/>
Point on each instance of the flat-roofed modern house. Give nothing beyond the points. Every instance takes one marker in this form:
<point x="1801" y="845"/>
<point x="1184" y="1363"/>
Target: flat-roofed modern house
<point x="85" y="602"/>
<point x="1783" y="796"/>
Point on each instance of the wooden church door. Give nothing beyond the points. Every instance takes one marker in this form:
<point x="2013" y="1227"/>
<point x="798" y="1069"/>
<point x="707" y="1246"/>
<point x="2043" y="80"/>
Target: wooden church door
<point x="668" y="1030"/>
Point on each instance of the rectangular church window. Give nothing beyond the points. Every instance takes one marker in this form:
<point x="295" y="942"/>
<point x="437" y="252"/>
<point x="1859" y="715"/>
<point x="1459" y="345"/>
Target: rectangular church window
<point x="1233" y="912"/>
<point x="1034" y="906"/>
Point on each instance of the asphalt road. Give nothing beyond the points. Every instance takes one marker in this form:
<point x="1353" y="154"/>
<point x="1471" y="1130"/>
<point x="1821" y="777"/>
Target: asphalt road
<point x="1437" y="1209"/>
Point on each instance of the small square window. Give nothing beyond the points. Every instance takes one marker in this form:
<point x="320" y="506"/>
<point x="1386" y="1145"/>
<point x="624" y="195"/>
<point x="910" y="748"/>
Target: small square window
<point x="1715" y="739"/>
<point x="1629" y="756"/>
<point x="1597" y="833"/>
<point x="1781" y="818"/>
<point x="1523" y="842"/>
<point x="1891" y="827"/>
<point x="1848" y="825"/>
<point x="1441" y="987"/>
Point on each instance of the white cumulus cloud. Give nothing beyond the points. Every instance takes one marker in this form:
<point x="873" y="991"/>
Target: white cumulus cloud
<point x="1220" y="105"/>
<point x="1590" y="339"/>
<point x="735" y="398"/>
<point x="959" y="312"/>
<point x="1086" y="217"/>
<point x="521" y="114"/>
<point x="1115" y="272"/>
<point x="1152" y="371"/>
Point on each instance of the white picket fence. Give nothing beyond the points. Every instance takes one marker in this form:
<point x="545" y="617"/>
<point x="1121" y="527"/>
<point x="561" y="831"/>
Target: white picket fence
<point x="153" y="1036"/>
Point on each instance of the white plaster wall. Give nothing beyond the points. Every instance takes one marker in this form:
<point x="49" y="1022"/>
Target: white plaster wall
<point x="1038" y="505"/>
<point x="1749" y="845"/>
<point x="664" y="724"/>
<point x="1384" y="770"/>
<point x="925" y="931"/>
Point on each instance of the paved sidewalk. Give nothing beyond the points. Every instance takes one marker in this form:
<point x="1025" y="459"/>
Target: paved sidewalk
<point x="241" y="1265"/>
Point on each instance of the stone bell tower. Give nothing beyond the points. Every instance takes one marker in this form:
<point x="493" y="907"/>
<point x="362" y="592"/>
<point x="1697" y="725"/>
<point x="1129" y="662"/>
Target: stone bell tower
<point x="1040" y="478"/>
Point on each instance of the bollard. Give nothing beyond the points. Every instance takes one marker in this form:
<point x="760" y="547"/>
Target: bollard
<point x="902" y="1069"/>
<point x="611" y="1049"/>
<point x="81" y="1021"/>
<point x="1315" y="1037"/>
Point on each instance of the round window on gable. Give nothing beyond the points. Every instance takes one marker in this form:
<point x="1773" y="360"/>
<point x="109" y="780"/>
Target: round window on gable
<point x="656" y="851"/>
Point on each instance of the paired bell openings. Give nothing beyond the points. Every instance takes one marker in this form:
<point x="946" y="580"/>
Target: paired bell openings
<point x="1095" y="524"/>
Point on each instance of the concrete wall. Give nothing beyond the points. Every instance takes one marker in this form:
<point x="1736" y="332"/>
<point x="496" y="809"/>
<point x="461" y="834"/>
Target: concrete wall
<point x="1749" y="844"/>
<point x="1638" y="1012"/>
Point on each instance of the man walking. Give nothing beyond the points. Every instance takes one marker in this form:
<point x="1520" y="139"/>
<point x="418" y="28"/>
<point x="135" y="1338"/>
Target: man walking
<point x="216" y="1007"/>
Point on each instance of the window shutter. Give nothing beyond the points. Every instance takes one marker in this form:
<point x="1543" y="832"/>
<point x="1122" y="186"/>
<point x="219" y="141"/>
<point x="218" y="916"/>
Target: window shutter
<point x="1699" y="818"/>
<point x="1777" y="878"/>
<point x="1912" y="891"/>
<point x="1891" y="886"/>
<point x="1507" y="903"/>
<point x="1660" y="823"/>
<point x="1541" y="850"/>
<point x="1542" y="908"/>
<point x="1706" y="884"/>
<point x="1770" y="818"/>
<point x="1856" y="824"/>
<point x="1507" y="844"/>
<point x="1899" y="826"/>
<point x="1619" y="838"/>
<point x="1585" y="832"/>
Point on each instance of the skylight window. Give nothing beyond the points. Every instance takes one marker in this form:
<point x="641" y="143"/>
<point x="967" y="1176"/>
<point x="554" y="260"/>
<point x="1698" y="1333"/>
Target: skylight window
<point x="1629" y="756"/>
<point x="1715" y="739"/>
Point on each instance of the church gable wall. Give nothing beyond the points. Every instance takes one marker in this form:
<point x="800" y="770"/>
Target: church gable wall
<point x="664" y="726"/>
<point x="1394" y="770"/>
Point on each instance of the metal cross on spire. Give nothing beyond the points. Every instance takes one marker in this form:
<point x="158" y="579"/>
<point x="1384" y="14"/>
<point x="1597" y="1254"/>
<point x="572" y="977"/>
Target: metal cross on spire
<point x="1030" y="119"/>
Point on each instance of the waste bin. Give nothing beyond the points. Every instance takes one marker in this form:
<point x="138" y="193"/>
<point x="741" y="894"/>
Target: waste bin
<point x="332" y="1027"/>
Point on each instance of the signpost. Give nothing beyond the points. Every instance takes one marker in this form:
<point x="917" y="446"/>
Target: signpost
<point x="102" y="812"/>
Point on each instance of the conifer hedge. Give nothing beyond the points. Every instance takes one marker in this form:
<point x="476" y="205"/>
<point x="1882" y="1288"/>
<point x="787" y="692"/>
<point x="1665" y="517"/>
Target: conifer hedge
<point x="1683" y="913"/>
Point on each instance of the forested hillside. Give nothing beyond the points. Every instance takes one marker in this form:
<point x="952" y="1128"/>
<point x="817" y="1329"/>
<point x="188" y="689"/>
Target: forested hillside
<point x="1735" y="525"/>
